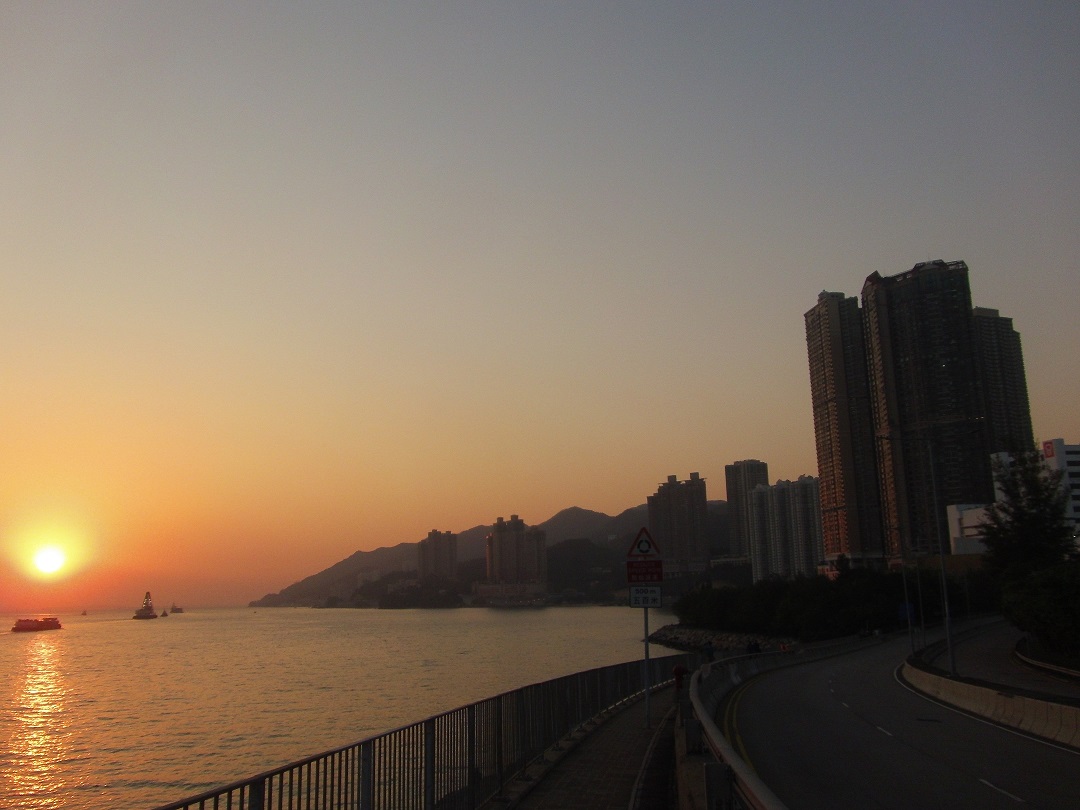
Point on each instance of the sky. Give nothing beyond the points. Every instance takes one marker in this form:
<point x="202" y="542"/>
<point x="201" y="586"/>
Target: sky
<point x="284" y="281"/>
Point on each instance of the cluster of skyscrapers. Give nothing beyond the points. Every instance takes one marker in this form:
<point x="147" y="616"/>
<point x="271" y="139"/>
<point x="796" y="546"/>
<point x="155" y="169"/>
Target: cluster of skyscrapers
<point x="913" y="389"/>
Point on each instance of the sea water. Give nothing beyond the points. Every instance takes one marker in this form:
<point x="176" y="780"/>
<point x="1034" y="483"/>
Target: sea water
<point x="114" y="713"/>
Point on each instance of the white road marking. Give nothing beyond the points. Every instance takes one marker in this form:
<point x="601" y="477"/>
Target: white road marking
<point x="1003" y="792"/>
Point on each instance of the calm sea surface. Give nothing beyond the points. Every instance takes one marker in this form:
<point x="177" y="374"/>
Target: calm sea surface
<point x="115" y="713"/>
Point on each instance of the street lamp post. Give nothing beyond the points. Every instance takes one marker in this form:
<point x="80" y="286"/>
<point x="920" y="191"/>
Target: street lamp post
<point x="941" y="560"/>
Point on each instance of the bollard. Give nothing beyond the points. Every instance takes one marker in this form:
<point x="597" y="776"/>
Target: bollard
<point x="719" y="784"/>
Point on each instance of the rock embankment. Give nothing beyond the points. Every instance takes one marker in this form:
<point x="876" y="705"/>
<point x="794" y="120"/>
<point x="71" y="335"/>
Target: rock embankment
<point x="693" y="639"/>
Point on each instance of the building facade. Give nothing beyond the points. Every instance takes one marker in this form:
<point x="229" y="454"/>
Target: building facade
<point x="741" y="478"/>
<point x="437" y="557"/>
<point x="843" y="431"/>
<point x="678" y="515"/>
<point x="911" y="393"/>
<point x="1066" y="457"/>
<point x="516" y="559"/>
<point x="999" y="359"/>
<point x="926" y="401"/>
<point x="786" y="529"/>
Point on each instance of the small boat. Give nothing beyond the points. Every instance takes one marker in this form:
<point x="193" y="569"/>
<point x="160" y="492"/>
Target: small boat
<point x="176" y="608"/>
<point x="164" y="613"/>
<point x="33" y="625"/>
<point x="147" y="609"/>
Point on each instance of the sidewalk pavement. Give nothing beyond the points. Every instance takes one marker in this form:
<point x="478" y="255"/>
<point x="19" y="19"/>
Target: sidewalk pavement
<point x="988" y="657"/>
<point x="600" y="769"/>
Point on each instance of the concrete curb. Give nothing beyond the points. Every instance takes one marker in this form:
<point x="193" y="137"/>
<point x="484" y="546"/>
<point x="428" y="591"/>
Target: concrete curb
<point x="1058" y="722"/>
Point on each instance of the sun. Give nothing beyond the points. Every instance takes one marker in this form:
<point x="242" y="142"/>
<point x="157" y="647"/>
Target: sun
<point x="49" y="559"/>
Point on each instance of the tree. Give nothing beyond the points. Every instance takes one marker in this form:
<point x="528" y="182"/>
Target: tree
<point x="1025" y="530"/>
<point x="1046" y="606"/>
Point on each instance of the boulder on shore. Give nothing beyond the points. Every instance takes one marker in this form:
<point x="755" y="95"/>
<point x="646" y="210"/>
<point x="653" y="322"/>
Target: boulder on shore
<point x="692" y="639"/>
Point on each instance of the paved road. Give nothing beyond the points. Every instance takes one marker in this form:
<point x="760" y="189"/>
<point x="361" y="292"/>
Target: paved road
<point x="843" y="733"/>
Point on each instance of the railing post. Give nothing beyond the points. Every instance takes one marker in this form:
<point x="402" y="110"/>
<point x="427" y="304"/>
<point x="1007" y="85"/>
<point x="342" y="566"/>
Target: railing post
<point x="470" y="754"/>
<point x="256" y="792"/>
<point x="500" y="763"/>
<point x="429" y="764"/>
<point x="365" y="784"/>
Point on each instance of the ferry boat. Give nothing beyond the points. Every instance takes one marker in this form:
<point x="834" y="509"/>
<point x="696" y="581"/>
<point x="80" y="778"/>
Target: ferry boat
<point x="33" y="625"/>
<point x="147" y="609"/>
<point x="176" y="608"/>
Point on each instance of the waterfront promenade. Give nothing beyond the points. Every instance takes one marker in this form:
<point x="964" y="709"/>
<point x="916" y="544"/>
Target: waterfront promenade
<point x="604" y="766"/>
<point x="608" y="763"/>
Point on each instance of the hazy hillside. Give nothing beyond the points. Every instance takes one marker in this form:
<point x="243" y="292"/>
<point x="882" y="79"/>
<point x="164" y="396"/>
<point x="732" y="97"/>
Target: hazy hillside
<point x="574" y="523"/>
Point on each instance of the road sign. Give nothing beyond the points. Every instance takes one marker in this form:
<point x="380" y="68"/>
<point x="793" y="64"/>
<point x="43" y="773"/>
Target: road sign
<point x="644" y="572"/>
<point x="643" y="563"/>
<point x="645" y="596"/>
<point x="643" y="547"/>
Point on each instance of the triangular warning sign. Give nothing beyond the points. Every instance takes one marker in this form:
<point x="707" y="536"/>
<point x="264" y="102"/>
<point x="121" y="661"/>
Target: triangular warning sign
<point x="643" y="545"/>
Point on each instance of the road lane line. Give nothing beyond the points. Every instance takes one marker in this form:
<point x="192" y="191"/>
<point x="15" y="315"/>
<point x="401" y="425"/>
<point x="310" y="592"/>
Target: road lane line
<point x="1003" y="792"/>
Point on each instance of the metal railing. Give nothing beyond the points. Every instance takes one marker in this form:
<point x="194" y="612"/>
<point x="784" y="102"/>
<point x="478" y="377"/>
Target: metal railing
<point x="457" y="760"/>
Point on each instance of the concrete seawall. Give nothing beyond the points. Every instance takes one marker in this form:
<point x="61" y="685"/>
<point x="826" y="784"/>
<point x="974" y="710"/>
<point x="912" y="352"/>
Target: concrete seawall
<point x="1059" y="722"/>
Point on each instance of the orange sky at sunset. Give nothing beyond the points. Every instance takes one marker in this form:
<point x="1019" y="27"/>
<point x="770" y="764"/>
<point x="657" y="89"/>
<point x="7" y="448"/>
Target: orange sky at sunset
<point x="282" y="282"/>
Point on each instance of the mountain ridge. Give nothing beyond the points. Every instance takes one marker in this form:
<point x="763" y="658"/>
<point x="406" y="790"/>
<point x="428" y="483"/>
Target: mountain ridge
<point x="574" y="522"/>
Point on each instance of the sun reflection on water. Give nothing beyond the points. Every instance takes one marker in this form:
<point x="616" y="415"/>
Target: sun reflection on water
<point x="36" y="731"/>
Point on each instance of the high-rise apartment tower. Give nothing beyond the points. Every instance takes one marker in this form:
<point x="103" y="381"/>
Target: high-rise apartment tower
<point x="678" y="513"/>
<point x="1000" y="362"/>
<point x="843" y="431"/>
<point x="437" y="556"/>
<point x="741" y="478"/>
<point x="928" y="412"/>
<point x="920" y="388"/>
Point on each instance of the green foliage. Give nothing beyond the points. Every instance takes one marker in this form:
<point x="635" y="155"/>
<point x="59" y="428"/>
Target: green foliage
<point x="1047" y="605"/>
<point x="1025" y="530"/>
<point x="809" y="608"/>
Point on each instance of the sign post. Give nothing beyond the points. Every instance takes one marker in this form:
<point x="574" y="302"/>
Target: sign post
<point x="644" y="575"/>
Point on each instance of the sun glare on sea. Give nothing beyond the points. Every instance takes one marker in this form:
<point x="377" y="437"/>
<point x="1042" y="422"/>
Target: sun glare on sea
<point x="49" y="559"/>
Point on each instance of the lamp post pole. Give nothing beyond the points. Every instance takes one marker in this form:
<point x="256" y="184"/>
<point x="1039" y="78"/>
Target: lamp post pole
<point x="907" y="599"/>
<point x="941" y="560"/>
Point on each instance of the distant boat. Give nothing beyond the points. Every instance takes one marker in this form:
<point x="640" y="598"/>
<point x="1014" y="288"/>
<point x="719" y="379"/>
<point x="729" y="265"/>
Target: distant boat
<point x="176" y="608"/>
<point x="32" y="625"/>
<point x="164" y="613"/>
<point x="147" y="609"/>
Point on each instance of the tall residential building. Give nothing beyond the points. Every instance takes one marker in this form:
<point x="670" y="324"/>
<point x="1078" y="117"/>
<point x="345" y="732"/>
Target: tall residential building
<point x="741" y="478"/>
<point x="678" y="515"/>
<point x="517" y="555"/>
<point x="928" y="413"/>
<point x="437" y="556"/>
<point x="1000" y="362"/>
<point x="785" y="529"/>
<point x="843" y="431"/>
<point x="919" y="387"/>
